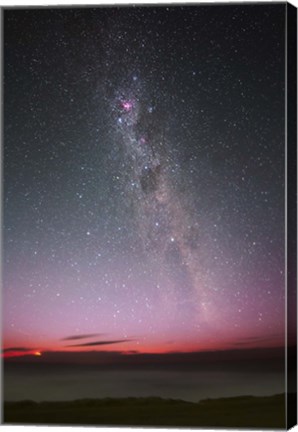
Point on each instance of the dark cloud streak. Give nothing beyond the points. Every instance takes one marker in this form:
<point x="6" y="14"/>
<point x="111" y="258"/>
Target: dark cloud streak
<point x="99" y="343"/>
<point x="19" y="349"/>
<point x="83" y="336"/>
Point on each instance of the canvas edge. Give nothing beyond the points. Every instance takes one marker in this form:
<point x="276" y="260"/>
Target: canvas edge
<point x="290" y="193"/>
<point x="291" y="215"/>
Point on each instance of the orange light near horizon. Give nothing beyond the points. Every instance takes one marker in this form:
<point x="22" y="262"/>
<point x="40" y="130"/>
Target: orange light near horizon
<point x="37" y="353"/>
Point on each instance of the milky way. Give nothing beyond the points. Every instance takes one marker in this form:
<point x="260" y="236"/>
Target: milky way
<point x="144" y="177"/>
<point x="164" y="227"/>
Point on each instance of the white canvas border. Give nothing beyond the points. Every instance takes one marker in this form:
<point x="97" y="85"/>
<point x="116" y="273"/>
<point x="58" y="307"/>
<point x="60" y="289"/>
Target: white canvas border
<point x="9" y="3"/>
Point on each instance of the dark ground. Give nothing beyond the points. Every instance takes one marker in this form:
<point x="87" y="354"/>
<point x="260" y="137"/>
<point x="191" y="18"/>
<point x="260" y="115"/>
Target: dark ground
<point x="246" y="411"/>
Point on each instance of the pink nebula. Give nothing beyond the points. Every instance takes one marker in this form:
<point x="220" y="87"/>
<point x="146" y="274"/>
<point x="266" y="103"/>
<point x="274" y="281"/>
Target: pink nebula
<point x="127" y="105"/>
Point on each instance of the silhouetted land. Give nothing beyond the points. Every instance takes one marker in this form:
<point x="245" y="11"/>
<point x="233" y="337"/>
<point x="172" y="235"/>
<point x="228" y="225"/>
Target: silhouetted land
<point x="245" y="411"/>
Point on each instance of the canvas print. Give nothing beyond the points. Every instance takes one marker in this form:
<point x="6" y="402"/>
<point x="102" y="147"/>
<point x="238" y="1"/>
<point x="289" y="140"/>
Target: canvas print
<point x="144" y="216"/>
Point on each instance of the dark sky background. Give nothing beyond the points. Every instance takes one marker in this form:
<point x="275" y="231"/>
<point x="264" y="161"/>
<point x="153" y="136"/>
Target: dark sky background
<point x="144" y="178"/>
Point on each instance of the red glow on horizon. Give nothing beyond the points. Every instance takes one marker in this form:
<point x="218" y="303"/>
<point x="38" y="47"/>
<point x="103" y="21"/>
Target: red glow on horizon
<point x="137" y="346"/>
<point x="16" y="353"/>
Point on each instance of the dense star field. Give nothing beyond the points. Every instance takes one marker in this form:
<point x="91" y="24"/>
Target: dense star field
<point x="143" y="178"/>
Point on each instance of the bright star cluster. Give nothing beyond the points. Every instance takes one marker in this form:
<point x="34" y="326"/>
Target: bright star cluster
<point x="144" y="176"/>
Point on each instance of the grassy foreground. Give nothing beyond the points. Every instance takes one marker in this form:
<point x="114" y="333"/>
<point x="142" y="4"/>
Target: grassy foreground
<point x="246" y="411"/>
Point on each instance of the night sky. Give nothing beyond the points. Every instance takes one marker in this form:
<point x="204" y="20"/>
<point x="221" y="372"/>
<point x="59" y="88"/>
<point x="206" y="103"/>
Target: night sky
<point x="143" y="178"/>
